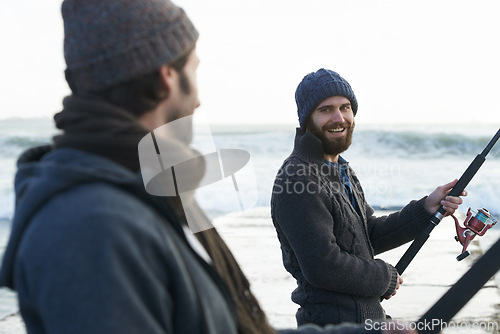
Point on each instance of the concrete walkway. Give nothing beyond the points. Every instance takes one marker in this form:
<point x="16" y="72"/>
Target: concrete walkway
<point x="426" y="279"/>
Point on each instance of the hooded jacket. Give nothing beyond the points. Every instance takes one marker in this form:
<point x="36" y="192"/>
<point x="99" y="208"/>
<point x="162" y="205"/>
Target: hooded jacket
<point x="85" y="220"/>
<point x="328" y="246"/>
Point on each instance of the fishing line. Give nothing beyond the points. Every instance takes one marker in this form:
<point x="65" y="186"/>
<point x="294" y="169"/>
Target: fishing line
<point x="495" y="155"/>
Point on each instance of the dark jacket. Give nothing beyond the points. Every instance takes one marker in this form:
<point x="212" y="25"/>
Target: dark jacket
<point x="327" y="246"/>
<point x="91" y="252"/>
<point x="88" y="254"/>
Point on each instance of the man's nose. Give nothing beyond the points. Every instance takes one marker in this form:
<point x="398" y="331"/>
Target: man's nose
<point x="336" y="116"/>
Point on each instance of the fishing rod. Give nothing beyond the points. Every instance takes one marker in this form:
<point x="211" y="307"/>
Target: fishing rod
<point x="461" y="292"/>
<point x="464" y="180"/>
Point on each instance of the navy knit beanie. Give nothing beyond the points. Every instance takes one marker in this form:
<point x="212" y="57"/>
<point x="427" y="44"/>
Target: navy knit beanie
<point x="318" y="86"/>
<point x="107" y="42"/>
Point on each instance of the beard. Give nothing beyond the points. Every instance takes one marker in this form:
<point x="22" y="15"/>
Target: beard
<point x="333" y="146"/>
<point x="183" y="130"/>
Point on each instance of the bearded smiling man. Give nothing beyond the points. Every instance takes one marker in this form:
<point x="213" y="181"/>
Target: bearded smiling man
<point x="335" y="133"/>
<point x="328" y="232"/>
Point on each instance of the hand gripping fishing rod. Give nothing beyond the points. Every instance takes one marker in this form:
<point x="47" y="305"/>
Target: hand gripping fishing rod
<point x="436" y="219"/>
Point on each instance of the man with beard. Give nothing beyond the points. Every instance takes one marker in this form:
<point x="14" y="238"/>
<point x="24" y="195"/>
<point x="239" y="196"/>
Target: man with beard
<point x="328" y="232"/>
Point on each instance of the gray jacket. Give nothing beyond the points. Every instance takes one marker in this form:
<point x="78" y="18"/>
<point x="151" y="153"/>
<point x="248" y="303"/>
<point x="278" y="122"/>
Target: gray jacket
<point x="327" y="246"/>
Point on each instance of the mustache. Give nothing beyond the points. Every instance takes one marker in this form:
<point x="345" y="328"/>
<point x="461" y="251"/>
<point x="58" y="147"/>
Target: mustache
<point x="334" y="125"/>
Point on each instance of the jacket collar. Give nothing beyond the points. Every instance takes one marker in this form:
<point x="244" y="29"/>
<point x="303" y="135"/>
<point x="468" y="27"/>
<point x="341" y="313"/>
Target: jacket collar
<point x="308" y="146"/>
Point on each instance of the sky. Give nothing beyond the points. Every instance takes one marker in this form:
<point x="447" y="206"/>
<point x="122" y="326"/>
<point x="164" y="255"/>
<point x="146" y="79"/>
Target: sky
<point x="407" y="61"/>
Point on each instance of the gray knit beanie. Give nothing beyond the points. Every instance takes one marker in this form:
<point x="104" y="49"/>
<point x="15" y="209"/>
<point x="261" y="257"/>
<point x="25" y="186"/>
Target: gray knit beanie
<point x="112" y="41"/>
<point x="318" y="86"/>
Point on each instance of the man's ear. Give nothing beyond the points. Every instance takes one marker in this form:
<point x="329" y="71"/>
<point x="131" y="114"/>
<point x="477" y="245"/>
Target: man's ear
<point x="167" y="77"/>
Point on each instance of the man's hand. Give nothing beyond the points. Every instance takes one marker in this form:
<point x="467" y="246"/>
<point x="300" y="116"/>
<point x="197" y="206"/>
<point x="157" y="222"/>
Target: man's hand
<point x="439" y="197"/>
<point x="398" y="283"/>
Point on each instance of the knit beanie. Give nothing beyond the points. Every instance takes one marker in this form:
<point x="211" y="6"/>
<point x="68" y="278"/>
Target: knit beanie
<point x="113" y="41"/>
<point x="318" y="86"/>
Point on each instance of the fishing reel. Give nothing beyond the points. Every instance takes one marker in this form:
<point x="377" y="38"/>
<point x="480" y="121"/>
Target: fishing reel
<point x="476" y="223"/>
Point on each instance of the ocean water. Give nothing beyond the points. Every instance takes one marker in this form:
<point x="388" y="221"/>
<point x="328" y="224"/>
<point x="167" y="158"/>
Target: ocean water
<point x="395" y="164"/>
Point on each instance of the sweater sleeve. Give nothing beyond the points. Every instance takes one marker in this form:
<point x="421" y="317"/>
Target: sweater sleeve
<point x="302" y="214"/>
<point x="388" y="232"/>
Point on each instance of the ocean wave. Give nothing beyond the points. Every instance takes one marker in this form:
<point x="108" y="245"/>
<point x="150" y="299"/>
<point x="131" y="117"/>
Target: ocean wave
<point x="400" y="142"/>
<point x="422" y="145"/>
<point x="12" y="146"/>
<point x="407" y="156"/>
